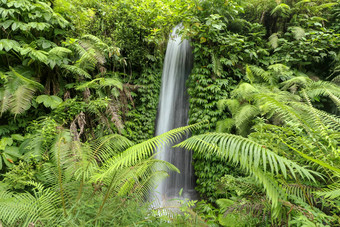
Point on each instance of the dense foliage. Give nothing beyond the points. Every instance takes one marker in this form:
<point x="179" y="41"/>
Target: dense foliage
<point x="79" y="87"/>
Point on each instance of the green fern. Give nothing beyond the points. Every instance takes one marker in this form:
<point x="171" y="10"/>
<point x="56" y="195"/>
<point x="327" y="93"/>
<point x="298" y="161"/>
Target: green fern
<point x="274" y="40"/>
<point x="102" y="82"/>
<point x="243" y="117"/>
<point x="144" y="150"/>
<point x="298" y="32"/>
<point x="282" y="8"/>
<point x="251" y="157"/>
<point x="25" y="209"/>
<point x="332" y="192"/>
<point x="76" y="70"/>
<point x="18" y="92"/>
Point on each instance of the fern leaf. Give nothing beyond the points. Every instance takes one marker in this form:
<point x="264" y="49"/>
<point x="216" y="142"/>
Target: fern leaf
<point x="21" y="99"/>
<point x="59" y="51"/>
<point x="144" y="150"/>
<point x="26" y="80"/>
<point x="5" y="97"/>
<point x="331" y="192"/>
<point x="232" y="104"/>
<point x="273" y="191"/>
<point x="225" y="125"/>
<point x="244" y="91"/>
<point x="76" y="70"/>
<point x="298" y="32"/>
<point x="243" y="117"/>
<point x="301" y="81"/>
<point x="274" y="40"/>
<point x="305" y="192"/>
<point x="249" y="74"/>
<point x="245" y="152"/>
<point x="282" y="8"/>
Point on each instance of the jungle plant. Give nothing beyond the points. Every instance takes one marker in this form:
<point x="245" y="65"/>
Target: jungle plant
<point x="88" y="175"/>
<point x="275" y="113"/>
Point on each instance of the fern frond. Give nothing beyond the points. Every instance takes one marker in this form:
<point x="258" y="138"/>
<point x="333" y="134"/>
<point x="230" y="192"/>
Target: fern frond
<point x="279" y="71"/>
<point x="225" y="125"/>
<point x="274" y="40"/>
<point x="5" y="97"/>
<point x="305" y="192"/>
<point x="300" y="81"/>
<point x="244" y="152"/>
<point x="272" y="102"/>
<point x="260" y="73"/>
<point x="316" y="121"/>
<point x="298" y="32"/>
<point x="100" y="83"/>
<point x="76" y="70"/>
<point x="322" y="88"/>
<point x="140" y="179"/>
<point x="249" y="74"/>
<point x="250" y="156"/>
<point x="21" y="99"/>
<point x="25" y="209"/>
<point x="334" y="98"/>
<point x="244" y="91"/>
<point x="25" y="80"/>
<point x="105" y="147"/>
<point x="232" y="104"/>
<point x="144" y="150"/>
<point x="331" y="192"/>
<point x="273" y="191"/>
<point x="281" y="8"/>
<point x="326" y="5"/>
<point x="59" y="51"/>
<point x="317" y="161"/>
<point x="329" y="119"/>
<point x="243" y="117"/>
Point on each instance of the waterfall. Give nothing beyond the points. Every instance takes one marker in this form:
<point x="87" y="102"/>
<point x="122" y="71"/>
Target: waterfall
<point x="172" y="113"/>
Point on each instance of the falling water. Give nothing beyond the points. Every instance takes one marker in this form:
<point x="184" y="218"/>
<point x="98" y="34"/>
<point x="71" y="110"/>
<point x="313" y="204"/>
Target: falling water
<point x="173" y="113"/>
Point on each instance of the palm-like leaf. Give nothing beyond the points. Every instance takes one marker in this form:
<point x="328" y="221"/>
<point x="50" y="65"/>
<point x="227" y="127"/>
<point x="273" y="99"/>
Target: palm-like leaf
<point x="250" y="156"/>
<point x="25" y="209"/>
<point x="144" y="150"/>
<point x="18" y="92"/>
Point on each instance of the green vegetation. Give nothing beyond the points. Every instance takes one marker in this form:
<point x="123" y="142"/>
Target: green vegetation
<point x="79" y="89"/>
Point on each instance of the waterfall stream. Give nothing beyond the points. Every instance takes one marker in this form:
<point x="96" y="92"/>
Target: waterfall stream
<point x="172" y="113"/>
